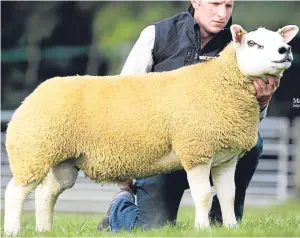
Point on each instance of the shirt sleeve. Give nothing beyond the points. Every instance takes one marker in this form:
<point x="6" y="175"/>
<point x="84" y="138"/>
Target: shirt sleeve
<point x="263" y="111"/>
<point x="140" y="59"/>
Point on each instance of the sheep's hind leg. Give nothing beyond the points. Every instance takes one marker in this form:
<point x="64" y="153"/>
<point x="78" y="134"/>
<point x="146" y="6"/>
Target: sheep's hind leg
<point x="223" y="179"/>
<point x="198" y="178"/>
<point x="15" y="196"/>
<point x="59" y="178"/>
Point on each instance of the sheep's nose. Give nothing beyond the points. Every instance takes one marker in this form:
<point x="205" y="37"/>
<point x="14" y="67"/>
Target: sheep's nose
<point x="283" y="50"/>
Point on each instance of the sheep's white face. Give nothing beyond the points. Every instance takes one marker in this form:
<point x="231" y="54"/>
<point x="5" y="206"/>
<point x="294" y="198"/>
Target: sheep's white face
<point x="263" y="51"/>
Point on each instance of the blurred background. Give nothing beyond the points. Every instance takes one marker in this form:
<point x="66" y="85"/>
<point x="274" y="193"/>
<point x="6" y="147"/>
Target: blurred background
<point x="40" y="40"/>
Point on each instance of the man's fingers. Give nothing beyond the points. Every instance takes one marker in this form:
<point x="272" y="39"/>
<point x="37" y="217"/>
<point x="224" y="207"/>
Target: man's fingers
<point x="273" y="80"/>
<point x="265" y="90"/>
<point x="273" y="83"/>
<point x="257" y="87"/>
<point x="262" y="84"/>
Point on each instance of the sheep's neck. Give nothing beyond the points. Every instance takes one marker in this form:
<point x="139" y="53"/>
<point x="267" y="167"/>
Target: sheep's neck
<point x="228" y="66"/>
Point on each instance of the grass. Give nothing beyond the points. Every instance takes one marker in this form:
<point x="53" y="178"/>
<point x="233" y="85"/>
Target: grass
<point x="276" y="220"/>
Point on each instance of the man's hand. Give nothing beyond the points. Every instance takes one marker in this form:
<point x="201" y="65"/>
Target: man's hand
<point x="264" y="91"/>
<point x="126" y="183"/>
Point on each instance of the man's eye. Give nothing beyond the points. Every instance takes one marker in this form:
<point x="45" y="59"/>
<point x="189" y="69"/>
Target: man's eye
<point x="251" y="43"/>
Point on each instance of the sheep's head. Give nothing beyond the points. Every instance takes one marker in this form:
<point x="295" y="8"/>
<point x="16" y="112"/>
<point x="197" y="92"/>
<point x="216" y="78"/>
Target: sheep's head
<point x="263" y="51"/>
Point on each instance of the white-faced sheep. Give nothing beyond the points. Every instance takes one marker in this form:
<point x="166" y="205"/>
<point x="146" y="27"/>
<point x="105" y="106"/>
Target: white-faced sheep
<point x="201" y="117"/>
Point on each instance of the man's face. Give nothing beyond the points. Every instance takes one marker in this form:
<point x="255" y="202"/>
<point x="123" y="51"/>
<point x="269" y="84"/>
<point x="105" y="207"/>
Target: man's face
<point x="212" y="15"/>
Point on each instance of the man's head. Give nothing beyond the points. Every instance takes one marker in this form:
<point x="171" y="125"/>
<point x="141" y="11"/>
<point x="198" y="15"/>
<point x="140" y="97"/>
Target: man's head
<point x="212" y="15"/>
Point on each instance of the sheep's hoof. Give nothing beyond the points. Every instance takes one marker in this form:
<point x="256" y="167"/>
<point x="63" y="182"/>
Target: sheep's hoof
<point x="202" y="225"/>
<point x="39" y="229"/>
<point x="11" y="232"/>
<point x="231" y="224"/>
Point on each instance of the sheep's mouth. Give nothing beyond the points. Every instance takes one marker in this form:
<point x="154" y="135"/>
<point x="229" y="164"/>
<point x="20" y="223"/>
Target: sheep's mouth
<point x="288" y="58"/>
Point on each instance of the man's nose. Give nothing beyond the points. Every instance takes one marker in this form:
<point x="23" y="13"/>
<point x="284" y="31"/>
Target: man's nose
<point x="222" y="11"/>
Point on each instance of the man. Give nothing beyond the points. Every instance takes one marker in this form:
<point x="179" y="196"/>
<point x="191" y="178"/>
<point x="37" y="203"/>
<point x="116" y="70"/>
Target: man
<point x="169" y="44"/>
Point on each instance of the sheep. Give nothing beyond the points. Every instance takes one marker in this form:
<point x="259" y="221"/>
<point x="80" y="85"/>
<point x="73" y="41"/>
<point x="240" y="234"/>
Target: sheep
<point x="200" y="118"/>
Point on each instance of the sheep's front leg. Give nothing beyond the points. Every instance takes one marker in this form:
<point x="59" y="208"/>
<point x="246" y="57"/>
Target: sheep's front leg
<point x="198" y="178"/>
<point x="223" y="179"/>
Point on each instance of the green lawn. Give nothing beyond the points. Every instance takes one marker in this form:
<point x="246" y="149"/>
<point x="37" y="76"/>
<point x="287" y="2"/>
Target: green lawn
<point x="277" y="220"/>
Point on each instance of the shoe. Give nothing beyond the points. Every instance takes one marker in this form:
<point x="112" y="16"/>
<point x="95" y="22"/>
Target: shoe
<point x="125" y="192"/>
<point x="215" y="220"/>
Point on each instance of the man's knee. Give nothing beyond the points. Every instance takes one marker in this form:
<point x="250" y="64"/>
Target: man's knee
<point x="258" y="148"/>
<point x="255" y="153"/>
<point x="159" y="197"/>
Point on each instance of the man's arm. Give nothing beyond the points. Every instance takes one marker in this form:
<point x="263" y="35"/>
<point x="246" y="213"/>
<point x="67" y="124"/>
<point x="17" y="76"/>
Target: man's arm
<point x="140" y="59"/>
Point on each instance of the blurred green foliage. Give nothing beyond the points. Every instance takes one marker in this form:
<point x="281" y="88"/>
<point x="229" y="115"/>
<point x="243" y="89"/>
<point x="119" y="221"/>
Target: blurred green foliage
<point x="117" y="25"/>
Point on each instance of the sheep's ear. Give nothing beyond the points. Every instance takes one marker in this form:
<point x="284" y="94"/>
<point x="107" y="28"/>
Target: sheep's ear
<point x="237" y="33"/>
<point x="288" y="32"/>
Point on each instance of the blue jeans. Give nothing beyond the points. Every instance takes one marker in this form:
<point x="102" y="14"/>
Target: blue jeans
<point x="158" y="197"/>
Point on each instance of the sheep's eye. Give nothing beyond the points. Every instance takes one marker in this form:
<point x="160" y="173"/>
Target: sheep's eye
<point x="251" y="43"/>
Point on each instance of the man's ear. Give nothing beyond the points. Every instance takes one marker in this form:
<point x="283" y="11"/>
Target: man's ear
<point x="195" y="3"/>
<point x="237" y="33"/>
<point x="288" y="32"/>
